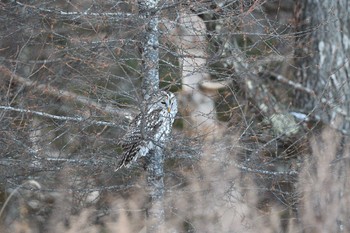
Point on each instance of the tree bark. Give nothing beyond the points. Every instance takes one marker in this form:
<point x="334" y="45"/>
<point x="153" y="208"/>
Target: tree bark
<point x="150" y="70"/>
<point x="150" y="54"/>
<point x="322" y="58"/>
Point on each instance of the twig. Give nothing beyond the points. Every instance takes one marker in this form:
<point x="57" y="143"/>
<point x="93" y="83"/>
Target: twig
<point x="62" y="118"/>
<point x="45" y="61"/>
<point x="75" y="13"/>
<point x="335" y="107"/>
<point x="295" y="85"/>
<point x="15" y="191"/>
<point x="110" y="187"/>
<point x="265" y="172"/>
<point x="47" y="89"/>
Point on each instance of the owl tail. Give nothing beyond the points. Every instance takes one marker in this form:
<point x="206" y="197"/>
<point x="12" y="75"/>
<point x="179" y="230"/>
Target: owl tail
<point x="124" y="163"/>
<point x="120" y="165"/>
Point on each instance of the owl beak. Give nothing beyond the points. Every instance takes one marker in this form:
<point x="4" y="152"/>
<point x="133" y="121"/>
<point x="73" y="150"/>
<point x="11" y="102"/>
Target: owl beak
<point x="169" y="109"/>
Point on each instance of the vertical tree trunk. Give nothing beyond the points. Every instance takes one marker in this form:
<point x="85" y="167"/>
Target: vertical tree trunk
<point x="322" y="57"/>
<point x="150" y="43"/>
<point x="323" y="66"/>
<point x="155" y="213"/>
<point x="150" y="58"/>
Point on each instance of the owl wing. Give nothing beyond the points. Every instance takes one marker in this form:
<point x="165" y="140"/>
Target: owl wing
<point x="137" y="142"/>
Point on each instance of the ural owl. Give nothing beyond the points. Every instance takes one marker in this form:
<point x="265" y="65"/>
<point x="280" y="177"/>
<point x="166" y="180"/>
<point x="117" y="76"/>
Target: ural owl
<point x="152" y="127"/>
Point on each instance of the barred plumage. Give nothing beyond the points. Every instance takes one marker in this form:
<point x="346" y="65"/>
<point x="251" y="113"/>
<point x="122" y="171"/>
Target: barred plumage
<point x="151" y="127"/>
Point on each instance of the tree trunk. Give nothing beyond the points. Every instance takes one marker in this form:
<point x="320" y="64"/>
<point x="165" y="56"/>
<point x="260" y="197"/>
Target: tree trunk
<point x="322" y="60"/>
<point x="150" y="60"/>
<point x="150" y="45"/>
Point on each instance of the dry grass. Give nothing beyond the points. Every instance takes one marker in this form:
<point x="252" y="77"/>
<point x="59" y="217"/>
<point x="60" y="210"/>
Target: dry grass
<point x="214" y="196"/>
<point x="324" y="186"/>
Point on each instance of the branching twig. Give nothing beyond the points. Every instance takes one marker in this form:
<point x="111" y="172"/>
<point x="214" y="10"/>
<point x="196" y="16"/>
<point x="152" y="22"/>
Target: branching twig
<point x="45" y="61"/>
<point x="61" y="118"/>
<point x="47" y="89"/>
<point x="295" y="85"/>
<point x="110" y="15"/>
<point x="321" y="99"/>
<point x="265" y="172"/>
<point x="75" y="189"/>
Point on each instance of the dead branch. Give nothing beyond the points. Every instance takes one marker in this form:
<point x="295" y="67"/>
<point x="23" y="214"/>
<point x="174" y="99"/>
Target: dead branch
<point x="66" y="95"/>
<point x="56" y="117"/>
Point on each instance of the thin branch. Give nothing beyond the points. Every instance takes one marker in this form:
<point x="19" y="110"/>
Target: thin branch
<point x="295" y="85"/>
<point x="47" y="89"/>
<point x="39" y="162"/>
<point x="265" y="172"/>
<point x="45" y="61"/>
<point x="110" y="15"/>
<point x="61" y="118"/>
<point x="298" y="86"/>
<point x="75" y="189"/>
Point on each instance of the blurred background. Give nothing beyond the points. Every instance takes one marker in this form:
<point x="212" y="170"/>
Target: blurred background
<point x="260" y="142"/>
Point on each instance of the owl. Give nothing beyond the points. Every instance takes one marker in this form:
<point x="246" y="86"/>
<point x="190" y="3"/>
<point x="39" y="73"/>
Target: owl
<point x="152" y="127"/>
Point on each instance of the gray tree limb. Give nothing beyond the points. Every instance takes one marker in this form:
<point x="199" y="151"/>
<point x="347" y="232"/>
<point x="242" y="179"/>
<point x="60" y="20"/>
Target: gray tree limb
<point x="150" y="70"/>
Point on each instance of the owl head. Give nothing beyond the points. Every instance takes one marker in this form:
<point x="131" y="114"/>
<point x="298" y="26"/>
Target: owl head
<point x="166" y="101"/>
<point x="169" y="102"/>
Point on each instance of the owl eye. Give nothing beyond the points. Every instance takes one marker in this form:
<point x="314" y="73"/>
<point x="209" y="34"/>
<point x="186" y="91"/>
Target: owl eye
<point x="163" y="102"/>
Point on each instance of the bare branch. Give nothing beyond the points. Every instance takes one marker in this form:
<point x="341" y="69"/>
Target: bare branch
<point x="110" y="187"/>
<point x="62" y="118"/>
<point x="110" y="15"/>
<point x="47" y="89"/>
<point x="323" y="100"/>
<point x="265" y="172"/>
<point x="295" y="85"/>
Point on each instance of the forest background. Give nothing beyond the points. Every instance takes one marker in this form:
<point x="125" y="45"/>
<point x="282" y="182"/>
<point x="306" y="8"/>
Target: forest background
<point x="260" y="143"/>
